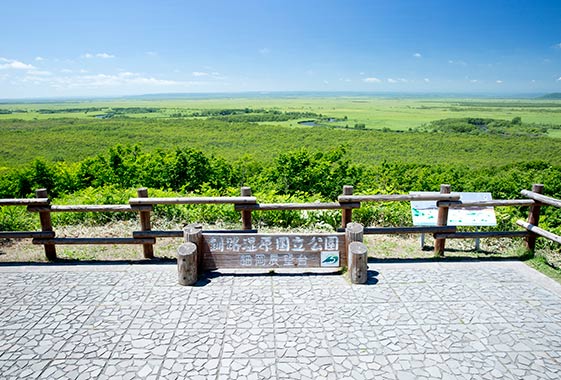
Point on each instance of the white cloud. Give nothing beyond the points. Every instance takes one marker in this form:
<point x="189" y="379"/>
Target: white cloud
<point x="39" y="58"/>
<point x="70" y="71"/>
<point x="398" y="80"/>
<point x="125" y="74"/>
<point x="97" y="55"/>
<point x="216" y="75"/>
<point x="109" y="80"/>
<point x="417" y="55"/>
<point x="473" y="81"/>
<point x="427" y="80"/>
<point x="39" y="72"/>
<point x="200" y="74"/>
<point x="371" y="80"/>
<point x="14" y="64"/>
<point x="498" y="81"/>
<point x="390" y="80"/>
<point x="264" y="51"/>
<point x="559" y="79"/>
<point x="325" y="82"/>
<point x="104" y="55"/>
<point x="152" y="53"/>
<point x="461" y="63"/>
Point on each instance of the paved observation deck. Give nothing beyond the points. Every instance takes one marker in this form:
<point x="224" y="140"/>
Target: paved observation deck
<point x="472" y="320"/>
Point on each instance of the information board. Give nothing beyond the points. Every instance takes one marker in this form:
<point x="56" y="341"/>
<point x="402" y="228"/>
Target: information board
<point x="425" y="213"/>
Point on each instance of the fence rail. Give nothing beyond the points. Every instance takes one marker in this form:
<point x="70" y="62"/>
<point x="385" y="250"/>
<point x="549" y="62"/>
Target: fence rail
<point x="88" y="208"/>
<point x="192" y="201"/>
<point x="246" y="204"/>
<point x="541" y="198"/>
<point x="492" y="203"/>
<point x="24" y="201"/>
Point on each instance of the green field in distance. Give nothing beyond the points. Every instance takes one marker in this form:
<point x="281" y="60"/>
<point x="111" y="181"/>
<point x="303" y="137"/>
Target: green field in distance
<point x="72" y="130"/>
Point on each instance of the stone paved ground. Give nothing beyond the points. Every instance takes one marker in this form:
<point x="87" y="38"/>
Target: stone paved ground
<point x="412" y="321"/>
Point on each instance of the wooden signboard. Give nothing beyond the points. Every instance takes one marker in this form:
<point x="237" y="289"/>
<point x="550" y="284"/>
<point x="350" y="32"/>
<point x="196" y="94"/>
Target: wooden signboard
<point x="273" y="250"/>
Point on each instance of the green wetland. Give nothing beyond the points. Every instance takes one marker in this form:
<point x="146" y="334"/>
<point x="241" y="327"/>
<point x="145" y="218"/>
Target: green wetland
<point x="286" y="148"/>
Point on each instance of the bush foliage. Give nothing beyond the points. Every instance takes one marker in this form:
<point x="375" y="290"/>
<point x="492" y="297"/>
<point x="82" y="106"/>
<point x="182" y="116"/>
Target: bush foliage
<point x="294" y="176"/>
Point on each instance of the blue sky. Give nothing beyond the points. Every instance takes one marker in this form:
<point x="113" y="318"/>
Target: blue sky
<point x="108" y="48"/>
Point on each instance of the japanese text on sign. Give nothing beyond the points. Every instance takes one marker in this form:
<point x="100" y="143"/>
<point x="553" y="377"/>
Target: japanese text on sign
<point x="278" y="251"/>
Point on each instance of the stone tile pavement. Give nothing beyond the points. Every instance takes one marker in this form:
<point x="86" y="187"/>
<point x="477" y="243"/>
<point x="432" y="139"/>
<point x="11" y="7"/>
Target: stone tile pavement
<point x="472" y="320"/>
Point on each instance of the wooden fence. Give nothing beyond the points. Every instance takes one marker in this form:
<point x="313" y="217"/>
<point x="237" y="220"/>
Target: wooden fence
<point x="246" y="204"/>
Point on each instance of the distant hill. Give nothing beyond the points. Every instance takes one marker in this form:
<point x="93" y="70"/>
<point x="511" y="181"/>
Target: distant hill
<point x="553" y="95"/>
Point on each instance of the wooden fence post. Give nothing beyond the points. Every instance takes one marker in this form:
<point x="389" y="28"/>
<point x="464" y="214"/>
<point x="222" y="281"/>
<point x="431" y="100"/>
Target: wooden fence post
<point x="354" y="232"/>
<point x="442" y="220"/>
<point x="357" y="253"/>
<point x="358" y="262"/>
<point x="534" y="218"/>
<point x="193" y="233"/>
<point x="246" y="214"/>
<point x="148" y="249"/>
<point x="187" y="263"/>
<point x="46" y="224"/>
<point x="347" y="213"/>
<point x="189" y="255"/>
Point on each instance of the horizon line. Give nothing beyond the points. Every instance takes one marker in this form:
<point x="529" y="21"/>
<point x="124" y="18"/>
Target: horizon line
<point x="303" y="93"/>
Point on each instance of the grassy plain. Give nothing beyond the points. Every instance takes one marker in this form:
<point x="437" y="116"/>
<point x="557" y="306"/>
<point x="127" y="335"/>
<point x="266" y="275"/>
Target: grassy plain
<point x="374" y="112"/>
<point x="42" y="130"/>
<point x="73" y="140"/>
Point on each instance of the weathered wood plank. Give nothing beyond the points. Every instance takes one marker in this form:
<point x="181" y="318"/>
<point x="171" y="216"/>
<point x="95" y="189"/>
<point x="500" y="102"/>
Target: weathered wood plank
<point x="180" y="233"/>
<point x="539" y="231"/>
<point x="26" y="234"/>
<point x="408" y="230"/>
<point x="191" y="200"/>
<point x="297" y="206"/>
<point x="24" y="201"/>
<point x="88" y="208"/>
<point x="88" y="241"/>
<point x="481" y="234"/>
<point x="541" y="198"/>
<point x="491" y="203"/>
<point x="398" y="197"/>
<point x="157" y="234"/>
